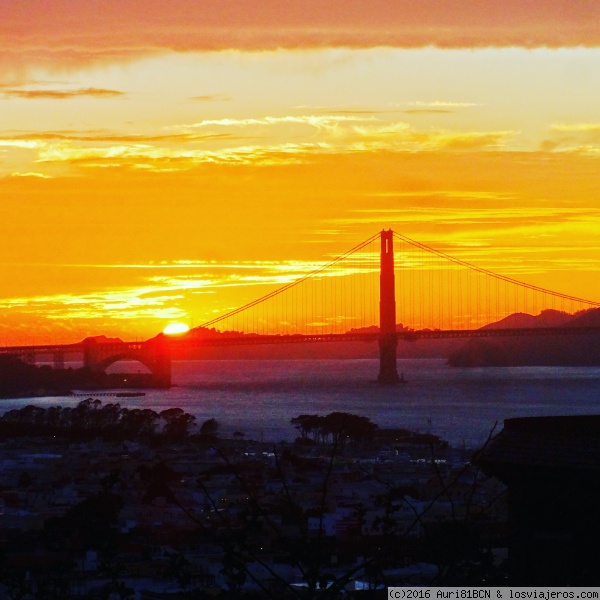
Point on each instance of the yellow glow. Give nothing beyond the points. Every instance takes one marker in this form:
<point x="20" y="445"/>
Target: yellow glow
<point x="125" y="208"/>
<point x="175" y="329"/>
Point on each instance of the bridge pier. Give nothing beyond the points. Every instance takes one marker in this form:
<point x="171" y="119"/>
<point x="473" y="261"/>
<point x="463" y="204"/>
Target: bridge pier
<point x="160" y="359"/>
<point x="58" y="360"/>
<point x="388" y="340"/>
<point x="91" y="355"/>
<point x="29" y="358"/>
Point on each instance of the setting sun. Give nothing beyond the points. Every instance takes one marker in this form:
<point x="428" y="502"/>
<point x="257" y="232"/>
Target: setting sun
<point x="175" y="329"/>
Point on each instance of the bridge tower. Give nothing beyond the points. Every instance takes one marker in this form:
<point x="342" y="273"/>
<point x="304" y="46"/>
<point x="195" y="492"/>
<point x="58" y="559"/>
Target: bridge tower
<point x="388" y="372"/>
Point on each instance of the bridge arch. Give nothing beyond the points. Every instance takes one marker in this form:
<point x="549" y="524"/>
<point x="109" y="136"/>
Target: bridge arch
<point x="154" y="354"/>
<point x="111" y="360"/>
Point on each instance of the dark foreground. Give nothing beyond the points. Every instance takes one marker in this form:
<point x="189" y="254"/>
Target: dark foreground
<point x="103" y="502"/>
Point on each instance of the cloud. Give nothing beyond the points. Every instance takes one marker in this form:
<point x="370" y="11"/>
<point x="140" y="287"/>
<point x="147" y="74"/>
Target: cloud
<point x="361" y="130"/>
<point x="452" y="215"/>
<point x="41" y="94"/>
<point x="436" y="107"/>
<point x="437" y="197"/>
<point x="165" y="288"/>
<point x="442" y="104"/>
<point x="71" y="32"/>
<point x="401" y="137"/>
<point x="183" y="147"/>
<point x="31" y="174"/>
<point x="212" y="98"/>
<point x="317" y="121"/>
<point x="18" y="142"/>
<point x="576" y="137"/>
<point x="31" y="139"/>
<point x="429" y="111"/>
<point x="122" y="304"/>
<point x="332" y="110"/>
<point x="577" y="127"/>
<point x="171" y="159"/>
<point x="466" y="141"/>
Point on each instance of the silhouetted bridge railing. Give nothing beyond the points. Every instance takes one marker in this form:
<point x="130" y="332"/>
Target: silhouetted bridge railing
<point x="407" y="336"/>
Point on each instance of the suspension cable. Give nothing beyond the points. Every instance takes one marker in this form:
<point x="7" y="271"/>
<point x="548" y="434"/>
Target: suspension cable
<point x="463" y="263"/>
<point x="291" y="284"/>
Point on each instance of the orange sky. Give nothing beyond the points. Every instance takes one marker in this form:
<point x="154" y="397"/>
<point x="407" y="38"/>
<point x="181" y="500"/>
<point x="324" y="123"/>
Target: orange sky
<point x="161" y="162"/>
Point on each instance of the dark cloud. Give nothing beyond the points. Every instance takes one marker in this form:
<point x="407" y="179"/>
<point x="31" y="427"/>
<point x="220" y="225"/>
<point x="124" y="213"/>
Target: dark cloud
<point x="18" y="92"/>
<point x="212" y="98"/>
<point x="70" y="33"/>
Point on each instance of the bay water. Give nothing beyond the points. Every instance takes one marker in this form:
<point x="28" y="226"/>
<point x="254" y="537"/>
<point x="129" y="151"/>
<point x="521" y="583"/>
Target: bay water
<point x="259" y="397"/>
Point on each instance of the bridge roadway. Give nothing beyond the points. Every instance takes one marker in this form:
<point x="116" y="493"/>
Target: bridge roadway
<point x="408" y="336"/>
<point x="253" y="339"/>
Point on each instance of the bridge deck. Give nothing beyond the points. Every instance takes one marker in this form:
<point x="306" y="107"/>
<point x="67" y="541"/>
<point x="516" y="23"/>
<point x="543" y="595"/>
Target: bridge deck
<point x="250" y="339"/>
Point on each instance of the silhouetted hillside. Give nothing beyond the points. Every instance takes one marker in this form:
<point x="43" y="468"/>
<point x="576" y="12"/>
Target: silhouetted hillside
<point x="547" y="318"/>
<point x="554" y="350"/>
<point x="586" y="318"/>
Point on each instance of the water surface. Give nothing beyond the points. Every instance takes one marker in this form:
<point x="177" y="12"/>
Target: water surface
<point x="259" y="397"/>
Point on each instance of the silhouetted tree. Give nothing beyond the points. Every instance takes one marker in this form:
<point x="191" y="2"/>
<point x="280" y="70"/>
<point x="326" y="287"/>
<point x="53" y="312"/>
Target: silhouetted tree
<point x="177" y="423"/>
<point x="336" y="427"/>
<point x="139" y="422"/>
<point x="209" y="428"/>
<point x="342" y="426"/>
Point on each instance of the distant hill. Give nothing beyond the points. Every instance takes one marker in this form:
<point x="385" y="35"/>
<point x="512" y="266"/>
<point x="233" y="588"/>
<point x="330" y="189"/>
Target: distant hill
<point x="102" y="339"/>
<point x="553" y="350"/>
<point x="586" y="318"/>
<point x="547" y="318"/>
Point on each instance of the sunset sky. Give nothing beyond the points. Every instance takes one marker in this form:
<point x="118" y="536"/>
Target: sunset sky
<point x="162" y="162"/>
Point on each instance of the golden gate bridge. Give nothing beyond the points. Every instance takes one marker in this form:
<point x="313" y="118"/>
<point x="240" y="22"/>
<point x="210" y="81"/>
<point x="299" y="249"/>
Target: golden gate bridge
<point x="372" y="292"/>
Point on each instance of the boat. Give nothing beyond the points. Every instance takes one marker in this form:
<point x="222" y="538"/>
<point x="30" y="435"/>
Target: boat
<point x="130" y="394"/>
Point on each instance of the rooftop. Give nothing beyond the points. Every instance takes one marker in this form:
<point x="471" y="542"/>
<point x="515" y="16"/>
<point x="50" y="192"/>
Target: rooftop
<point x="567" y="444"/>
